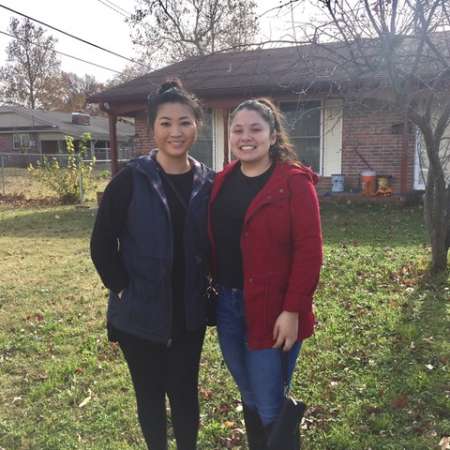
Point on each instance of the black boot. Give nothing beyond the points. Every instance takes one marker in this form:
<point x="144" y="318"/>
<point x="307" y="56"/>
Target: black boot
<point x="294" y="442"/>
<point x="256" y="436"/>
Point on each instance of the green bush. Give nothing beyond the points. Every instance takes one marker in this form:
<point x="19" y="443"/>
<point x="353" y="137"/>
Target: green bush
<point x="69" y="181"/>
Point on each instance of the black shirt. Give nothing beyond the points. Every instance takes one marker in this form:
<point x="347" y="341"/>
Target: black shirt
<point x="111" y="221"/>
<point x="183" y="185"/>
<point x="228" y="214"/>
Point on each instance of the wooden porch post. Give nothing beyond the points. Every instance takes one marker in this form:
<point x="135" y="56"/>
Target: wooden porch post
<point x="113" y="143"/>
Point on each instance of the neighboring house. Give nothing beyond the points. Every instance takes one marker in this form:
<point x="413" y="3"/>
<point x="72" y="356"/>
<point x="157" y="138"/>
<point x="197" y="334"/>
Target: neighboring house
<point x="329" y="135"/>
<point x="30" y="132"/>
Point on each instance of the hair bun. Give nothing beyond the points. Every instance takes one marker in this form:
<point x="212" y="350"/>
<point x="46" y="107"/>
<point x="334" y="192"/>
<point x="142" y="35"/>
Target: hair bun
<point x="170" y="84"/>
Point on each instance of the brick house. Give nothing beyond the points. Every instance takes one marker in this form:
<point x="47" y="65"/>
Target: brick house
<point x="331" y="134"/>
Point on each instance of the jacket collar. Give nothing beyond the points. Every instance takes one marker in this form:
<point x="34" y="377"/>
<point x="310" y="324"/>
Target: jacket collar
<point x="150" y="168"/>
<point x="276" y="178"/>
<point x="275" y="188"/>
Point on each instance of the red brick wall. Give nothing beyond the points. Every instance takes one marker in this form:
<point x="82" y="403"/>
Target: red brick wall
<point x="143" y="138"/>
<point x="369" y="131"/>
<point x="6" y="143"/>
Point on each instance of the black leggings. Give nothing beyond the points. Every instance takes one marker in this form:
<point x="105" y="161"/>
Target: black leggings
<point x="157" y="370"/>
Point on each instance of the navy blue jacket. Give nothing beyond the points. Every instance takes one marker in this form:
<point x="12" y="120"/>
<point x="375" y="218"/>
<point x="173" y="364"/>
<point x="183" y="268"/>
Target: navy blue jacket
<point x="145" y="252"/>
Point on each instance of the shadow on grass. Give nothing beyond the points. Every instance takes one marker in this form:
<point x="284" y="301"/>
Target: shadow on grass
<point x="373" y="225"/>
<point x="58" y="222"/>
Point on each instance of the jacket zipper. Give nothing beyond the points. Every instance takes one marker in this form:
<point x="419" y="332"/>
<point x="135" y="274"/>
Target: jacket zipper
<point x="166" y="207"/>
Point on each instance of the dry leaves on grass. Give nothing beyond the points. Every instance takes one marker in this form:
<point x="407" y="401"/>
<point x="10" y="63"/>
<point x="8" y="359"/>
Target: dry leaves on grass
<point x="20" y="201"/>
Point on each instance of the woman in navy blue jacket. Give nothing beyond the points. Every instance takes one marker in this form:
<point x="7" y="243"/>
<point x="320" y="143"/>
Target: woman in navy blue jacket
<point x="150" y="248"/>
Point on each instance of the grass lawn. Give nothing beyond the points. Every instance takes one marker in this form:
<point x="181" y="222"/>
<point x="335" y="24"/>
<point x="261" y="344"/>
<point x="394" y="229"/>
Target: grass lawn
<point x="375" y="376"/>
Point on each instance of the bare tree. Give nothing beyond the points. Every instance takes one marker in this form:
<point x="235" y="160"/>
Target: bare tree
<point x="75" y="90"/>
<point x="32" y="75"/>
<point x="172" y="30"/>
<point x="397" y="52"/>
<point x="132" y="71"/>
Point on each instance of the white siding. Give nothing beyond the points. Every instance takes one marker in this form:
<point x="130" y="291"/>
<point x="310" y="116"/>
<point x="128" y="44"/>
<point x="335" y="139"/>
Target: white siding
<point x="421" y="159"/>
<point x="332" y="137"/>
<point x="218" y="139"/>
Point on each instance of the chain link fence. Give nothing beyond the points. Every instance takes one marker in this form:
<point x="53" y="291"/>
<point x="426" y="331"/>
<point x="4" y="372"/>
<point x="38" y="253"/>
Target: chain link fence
<point x="16" y="180"/>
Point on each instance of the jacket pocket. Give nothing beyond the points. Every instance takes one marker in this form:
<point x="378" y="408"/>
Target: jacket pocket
<point x="276" y="290"/>
<point x="149" y="297"/>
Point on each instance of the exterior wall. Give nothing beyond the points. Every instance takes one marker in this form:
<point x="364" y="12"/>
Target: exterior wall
<point x="6" y="143"/>
<point x="143" y="138"/>
<point x="369" y="131"/>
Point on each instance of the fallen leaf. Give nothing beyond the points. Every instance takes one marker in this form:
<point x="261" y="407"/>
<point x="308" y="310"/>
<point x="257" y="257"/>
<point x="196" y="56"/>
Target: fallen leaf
<point x="86" y="400"/>
<point x="400" y="402"/>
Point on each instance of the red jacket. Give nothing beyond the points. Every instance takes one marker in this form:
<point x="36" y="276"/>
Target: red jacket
<point x="281" y="244"/>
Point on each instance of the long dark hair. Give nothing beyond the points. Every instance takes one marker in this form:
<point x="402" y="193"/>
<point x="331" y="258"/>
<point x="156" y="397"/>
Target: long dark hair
<point x="172" y="91"/>
<point x="282" y="150"/>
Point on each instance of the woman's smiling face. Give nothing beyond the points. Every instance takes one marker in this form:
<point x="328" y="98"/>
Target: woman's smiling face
<point x="175" y="129"/>
<point x="250" y="137"/>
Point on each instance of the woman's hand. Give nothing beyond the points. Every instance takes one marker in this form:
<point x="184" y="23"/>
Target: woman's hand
<point x="285" y="331"/>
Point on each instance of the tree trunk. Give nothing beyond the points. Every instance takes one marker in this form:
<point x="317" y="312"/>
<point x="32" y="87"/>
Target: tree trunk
<point x="447" y="240"/>
<point x="435" y="210"/>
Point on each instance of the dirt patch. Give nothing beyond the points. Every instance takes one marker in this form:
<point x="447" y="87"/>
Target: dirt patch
<point x="20" y="201"/>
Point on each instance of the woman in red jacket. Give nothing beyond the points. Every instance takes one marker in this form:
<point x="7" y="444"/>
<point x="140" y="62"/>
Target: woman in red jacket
<point x="267" y="252"/>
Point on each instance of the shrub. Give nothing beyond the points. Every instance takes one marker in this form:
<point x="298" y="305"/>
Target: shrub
<point x="70" y="181"/>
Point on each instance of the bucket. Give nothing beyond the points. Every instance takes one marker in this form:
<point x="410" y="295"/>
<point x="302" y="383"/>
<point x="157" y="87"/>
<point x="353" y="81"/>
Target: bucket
<point x="337" y="183"/>
<point x="368" y="182"/>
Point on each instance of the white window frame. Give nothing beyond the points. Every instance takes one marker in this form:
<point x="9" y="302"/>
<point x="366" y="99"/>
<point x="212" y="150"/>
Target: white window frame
<point x="21" y="137"/>
<point x="321" y="125"/>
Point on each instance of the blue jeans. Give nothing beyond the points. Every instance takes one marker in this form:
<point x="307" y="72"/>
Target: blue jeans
<point x="258" y="373"/>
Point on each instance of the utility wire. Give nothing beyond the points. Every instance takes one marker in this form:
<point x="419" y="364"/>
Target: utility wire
<point x="117" y="7"/>
<point x="60" y="53"/>
<point x="72" y="36"/>
<point x="113" y="8"/>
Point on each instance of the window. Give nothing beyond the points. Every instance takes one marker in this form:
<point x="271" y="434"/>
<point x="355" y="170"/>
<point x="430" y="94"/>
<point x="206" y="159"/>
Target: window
<point x="21" y="141"/>
<point x="203" y="148"/>
<point x="303" y="126"/>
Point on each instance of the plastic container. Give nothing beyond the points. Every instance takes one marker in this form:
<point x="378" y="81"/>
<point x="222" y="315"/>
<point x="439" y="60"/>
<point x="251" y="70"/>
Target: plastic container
<point x="383" y="182"/>
<point x="337" y="183"/>
<point x="368" y="182"/>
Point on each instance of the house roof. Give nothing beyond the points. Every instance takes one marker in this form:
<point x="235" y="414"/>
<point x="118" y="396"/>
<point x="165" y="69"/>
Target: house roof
<point x="15" y="119"/>
<point x="269" y="71"/>
<point x="244" y="72"/>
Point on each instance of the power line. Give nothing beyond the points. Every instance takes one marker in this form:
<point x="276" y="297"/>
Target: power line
<point x="60" y="53"/>
<point x="116" y="7"/>
<point x="71" y="35"/>
<point x="113" y="8"/>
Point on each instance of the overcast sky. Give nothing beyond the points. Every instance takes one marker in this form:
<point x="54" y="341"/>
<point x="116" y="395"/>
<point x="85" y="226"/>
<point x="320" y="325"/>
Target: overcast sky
<point x="95" y="22"/>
